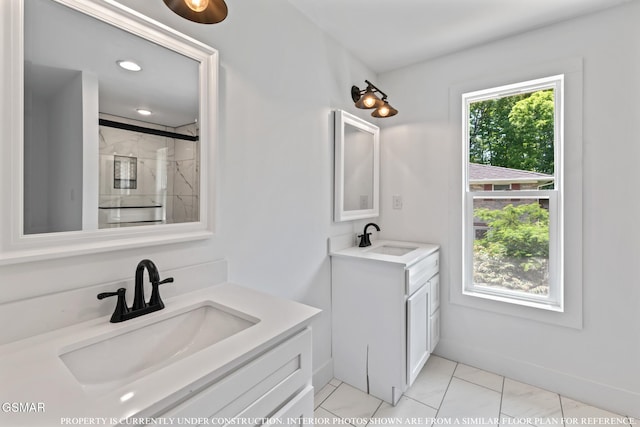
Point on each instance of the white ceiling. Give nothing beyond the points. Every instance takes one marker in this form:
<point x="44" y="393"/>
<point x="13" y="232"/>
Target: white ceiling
<point x="384" y="34"/>
<point x="390" y="34"/>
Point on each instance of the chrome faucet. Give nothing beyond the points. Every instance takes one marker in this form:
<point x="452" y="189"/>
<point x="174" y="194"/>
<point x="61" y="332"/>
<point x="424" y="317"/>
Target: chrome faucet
<point x="364" y="237"/>
<point x="140" y="307"/>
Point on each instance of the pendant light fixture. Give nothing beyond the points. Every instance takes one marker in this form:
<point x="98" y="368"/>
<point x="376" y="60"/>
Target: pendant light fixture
<point x="367" y="99"/>
<point x="200" y="11"/>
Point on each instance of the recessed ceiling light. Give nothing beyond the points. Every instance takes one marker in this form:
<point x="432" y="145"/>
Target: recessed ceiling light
<point x="143" y="111"/>
<point x="129" y="65"/>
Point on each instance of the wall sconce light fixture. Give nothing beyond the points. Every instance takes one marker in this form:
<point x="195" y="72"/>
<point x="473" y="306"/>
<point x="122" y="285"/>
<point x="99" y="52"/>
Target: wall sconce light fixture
<point x="367" y="99"/>
<point x="200" y="11"/>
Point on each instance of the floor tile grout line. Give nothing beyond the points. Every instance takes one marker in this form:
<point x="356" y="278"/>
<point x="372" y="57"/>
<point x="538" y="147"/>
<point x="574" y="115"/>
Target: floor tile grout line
<point x="445" y="392"/>
<point x="479" y="385"/>
<point x="420" y="402"/>
<point x="501" y="398"/>
<point x="561" y="410"/>
<point x="334" y="414"/>
<point x="452" y="375"/>
<point x="341" y="417"/>
<point x="332" y="391"/>
<point x="374" y="412"/>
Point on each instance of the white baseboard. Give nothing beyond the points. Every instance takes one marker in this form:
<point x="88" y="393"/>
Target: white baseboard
<point x="322" y="375"/>
<point x="604" y="396"/>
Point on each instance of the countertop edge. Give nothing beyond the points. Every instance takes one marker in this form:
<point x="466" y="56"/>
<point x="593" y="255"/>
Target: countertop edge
<point x="28" y="380"/>
<point x="423" y="251"/>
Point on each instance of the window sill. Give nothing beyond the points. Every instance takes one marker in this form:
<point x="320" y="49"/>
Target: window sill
<point x="549" y="306"/>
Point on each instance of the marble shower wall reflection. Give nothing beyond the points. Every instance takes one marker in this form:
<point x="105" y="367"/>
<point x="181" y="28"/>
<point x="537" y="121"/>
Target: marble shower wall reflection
<point x="166" y="184"/>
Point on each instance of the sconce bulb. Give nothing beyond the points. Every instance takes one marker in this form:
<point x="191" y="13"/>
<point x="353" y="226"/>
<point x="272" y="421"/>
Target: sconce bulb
<point x="369" y="102"/>
<point x="385" y="110"/>
<point x="197" y="5"/>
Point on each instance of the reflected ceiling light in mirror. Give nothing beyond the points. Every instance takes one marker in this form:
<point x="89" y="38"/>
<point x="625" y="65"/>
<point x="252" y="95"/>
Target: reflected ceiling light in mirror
<point x="143" y="111"/>
<point x="367" y="99"/>
<point x="200" y="11"/>
<point x="128" y="65"/>
<point x="127" y="396"/>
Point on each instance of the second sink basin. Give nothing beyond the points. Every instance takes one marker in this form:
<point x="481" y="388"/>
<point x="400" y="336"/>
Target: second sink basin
<point x="392" y="250"/>
<point x="110" y="362"/>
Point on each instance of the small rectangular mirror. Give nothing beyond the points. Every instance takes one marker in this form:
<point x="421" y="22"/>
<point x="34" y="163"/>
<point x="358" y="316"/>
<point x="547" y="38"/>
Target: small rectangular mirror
<point x="357" y="168"/>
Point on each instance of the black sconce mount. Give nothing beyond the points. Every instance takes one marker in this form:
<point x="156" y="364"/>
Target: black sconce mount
<point x="367" y="99"/>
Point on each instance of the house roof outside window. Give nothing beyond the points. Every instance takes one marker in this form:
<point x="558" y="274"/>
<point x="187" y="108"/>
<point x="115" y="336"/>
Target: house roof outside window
<point x="487" y="174"/>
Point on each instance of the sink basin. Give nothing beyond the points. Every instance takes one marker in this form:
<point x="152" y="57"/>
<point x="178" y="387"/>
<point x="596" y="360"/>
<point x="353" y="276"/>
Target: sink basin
<point x="118" y="359"/>
<point x="392" y="250"/>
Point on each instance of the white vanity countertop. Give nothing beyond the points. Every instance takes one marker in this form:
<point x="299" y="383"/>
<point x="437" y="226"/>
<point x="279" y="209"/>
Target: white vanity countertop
<point x="32" y="372"/>
<point x="421" y="251"/>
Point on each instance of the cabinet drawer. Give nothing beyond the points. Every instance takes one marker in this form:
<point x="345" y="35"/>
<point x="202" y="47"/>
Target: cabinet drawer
<point x="257" y="389"/>
<point x="298" y="412"/>
<point x="434" y="335"/>
<point x="418" y="274"/>
<point x="434" y="295"/>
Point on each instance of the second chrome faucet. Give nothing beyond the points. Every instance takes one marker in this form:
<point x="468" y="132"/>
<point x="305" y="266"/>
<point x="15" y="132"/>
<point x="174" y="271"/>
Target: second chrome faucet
<point x="140" y="306"/>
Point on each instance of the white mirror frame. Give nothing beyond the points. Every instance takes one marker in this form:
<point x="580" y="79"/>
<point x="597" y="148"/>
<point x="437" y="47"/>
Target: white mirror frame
<point x="342" y="119"/>
<point x="15" y="246"/>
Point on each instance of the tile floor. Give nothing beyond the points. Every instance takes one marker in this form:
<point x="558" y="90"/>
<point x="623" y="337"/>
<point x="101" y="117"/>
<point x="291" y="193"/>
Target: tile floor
<point x="450" y="393"/>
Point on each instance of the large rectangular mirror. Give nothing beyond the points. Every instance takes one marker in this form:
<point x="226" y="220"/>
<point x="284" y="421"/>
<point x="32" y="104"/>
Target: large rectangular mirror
<point x="103" y="154"/>
<point x="357" y="168"/>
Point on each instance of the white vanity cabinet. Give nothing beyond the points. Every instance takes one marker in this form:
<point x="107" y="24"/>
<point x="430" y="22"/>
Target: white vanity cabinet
<point x="276" y="386"/>
<point x="385" y="317"/>
<point x="258" y="375"/>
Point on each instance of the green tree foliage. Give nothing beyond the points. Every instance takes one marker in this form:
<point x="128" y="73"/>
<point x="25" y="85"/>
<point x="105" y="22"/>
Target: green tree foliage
<point x="515" y="231"/>
<point x="514" y="131"/>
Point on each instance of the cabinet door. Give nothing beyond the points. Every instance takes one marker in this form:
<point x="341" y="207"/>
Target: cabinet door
<point x="417" y="332"/>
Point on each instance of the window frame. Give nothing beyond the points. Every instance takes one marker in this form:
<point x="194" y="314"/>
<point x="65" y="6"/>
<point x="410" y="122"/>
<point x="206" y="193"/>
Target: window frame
<point x="554" y="301"/>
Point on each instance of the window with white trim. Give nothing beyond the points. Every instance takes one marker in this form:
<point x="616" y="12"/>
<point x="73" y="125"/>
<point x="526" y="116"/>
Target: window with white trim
<point x="512" y="232"/>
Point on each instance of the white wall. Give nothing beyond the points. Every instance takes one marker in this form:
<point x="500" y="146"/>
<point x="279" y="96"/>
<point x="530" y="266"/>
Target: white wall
<point x="65" y="156"/>
<point x="280" y="77"/>
<point x="36" y="164"/>
<point x="90" y="151"/>
<point x="54" y="129"/>
<point x="599" y="361"/>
